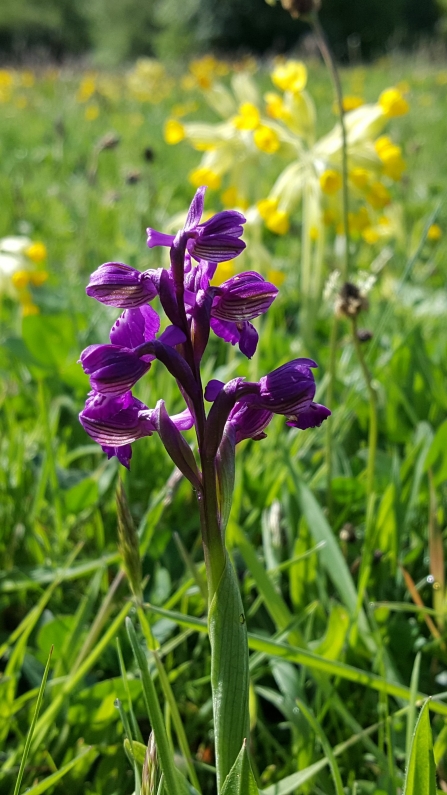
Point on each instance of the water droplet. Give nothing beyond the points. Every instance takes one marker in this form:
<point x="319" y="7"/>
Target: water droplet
<point x="436" y="586"/>
<point x="430" y="579"/>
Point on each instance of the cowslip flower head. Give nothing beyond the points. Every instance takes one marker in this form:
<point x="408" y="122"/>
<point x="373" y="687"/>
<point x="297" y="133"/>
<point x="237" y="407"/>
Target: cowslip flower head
<point x="215" y="240"/>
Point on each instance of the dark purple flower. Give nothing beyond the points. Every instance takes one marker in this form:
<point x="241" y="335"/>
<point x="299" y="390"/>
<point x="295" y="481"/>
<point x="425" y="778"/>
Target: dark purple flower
<point x="288" y="389"/>
<point x="243" y="297"/>
<point x="117" y="421"/>
<point x="116" y="284"/>
<point x="244" y="334"/>
<point x="215" y="240"/>
<point x="249" y="422"/>
<point x="312" y="417"/>
<point x="113" y="370"/>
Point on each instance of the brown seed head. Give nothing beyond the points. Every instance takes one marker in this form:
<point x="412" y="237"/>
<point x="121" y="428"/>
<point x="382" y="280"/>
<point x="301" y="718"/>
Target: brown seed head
<point x="350" y="301"/>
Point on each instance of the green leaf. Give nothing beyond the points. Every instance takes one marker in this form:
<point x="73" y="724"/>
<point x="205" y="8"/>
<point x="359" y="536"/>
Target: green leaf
<point x="155" y="714"/>
<point x="135" y="750"/>
<point x="50" y="781"/>
<point x="240" y="779"/>
<point x="229" y="672"/>
<point x="83" y="495"/>
<point x="49" y="338"/>
<point x="315" y="724"/>
<point x="421" y="771"/>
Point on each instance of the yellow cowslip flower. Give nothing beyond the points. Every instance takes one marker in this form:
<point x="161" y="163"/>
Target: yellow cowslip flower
<point x="393" y="103"/>
<point x="266" y="139"/>
<point x="91" y="112"/>
<point x="330" y="181"/>
<point x="205" y="176"/>
<point x="231" y="198"/>
<point x="248" y="117"/>
<point x="360" y="220"/>
<point x="382" y="143"/>
<point x="434" y="233"/>
<point x="274" y="105"/>
<point x="20" y="279"/>
<point x="37" y="278"/>
<point x="86" y="89"/>
<point x="266" y="207"/>
<point x="290" y="76"/>
<point x="370" y="235"/>
<point x="37" y="252"/>
<point x="359" y="177"/>
<point x="224" y="271"/>
<point x="378" y="196"/>
<point x="329" y="217"/>
<point x="276" y="277"/>
<point x="173" y="131"/>
<point x="350" y="102"/>
<point x="6" y="78"/>
<point x="27" y="78"/>
<point x="278" y="222"/>
<point x="393" y="162"/>
<point x="182" y="109"/>
<point x="314" y="234"/>
<point x="28" y="308"/>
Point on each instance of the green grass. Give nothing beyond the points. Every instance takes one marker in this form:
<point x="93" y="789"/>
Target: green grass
<point x="330" y="614"/>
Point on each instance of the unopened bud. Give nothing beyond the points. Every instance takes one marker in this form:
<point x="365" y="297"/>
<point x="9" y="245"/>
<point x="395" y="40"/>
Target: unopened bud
<point x="350" y="301"/>
<point x="150" y="776"/>
<point x="347" y="533"/>
<point x="364" y="335"/>
<point x="109" y="141"/>
<point x="299" y="8"/>
<point x="128" y="543"/>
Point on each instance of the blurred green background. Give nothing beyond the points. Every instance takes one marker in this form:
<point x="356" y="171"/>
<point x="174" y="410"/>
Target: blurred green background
<point x="112" y="31"/>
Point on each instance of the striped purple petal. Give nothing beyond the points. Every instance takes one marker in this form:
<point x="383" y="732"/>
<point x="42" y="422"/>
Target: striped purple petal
<point x="113" y="370"/>
<point x="117" y="284"/>
<point x="312" y="417"/>
<point x="195" y="209"/>
<point x="135" y="326"/>
<point x="243" y="297"/>
<point x="215" y="248"/>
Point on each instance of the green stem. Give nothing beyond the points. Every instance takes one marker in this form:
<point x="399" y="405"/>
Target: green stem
<point x="332" y="372"/>
<point x="373" y="424"/>
<point x="213" y="543"/>
<point x="331" y="66"/>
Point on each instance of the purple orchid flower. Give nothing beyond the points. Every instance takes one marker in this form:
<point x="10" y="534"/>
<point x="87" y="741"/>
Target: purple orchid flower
<point x="215" y="240"/>
<point x="117" y="421"/>
<point x="116" y="284"/>
<point x="115" y="368"/>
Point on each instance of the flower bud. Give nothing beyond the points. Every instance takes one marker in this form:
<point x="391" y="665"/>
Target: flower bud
<point x="116" y="284"/>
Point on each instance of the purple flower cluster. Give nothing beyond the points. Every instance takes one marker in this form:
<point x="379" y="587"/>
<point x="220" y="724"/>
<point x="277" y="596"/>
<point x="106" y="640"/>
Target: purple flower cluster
<point x="115" y="418"/>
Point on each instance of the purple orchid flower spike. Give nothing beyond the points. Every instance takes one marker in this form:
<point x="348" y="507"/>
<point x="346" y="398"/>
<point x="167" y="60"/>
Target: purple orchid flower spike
<point x="215" y="240"/>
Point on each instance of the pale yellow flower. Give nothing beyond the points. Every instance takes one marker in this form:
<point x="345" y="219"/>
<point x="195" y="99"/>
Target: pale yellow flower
<point x="248" y="117"/>
<point x="378" y="196"/>
<point x="29" y="309"/>
<point x="274" y="105"/>
<point x="91" y="112"/>
<point x="232" y="198"/>
<point x="359" y="177"/>
<point x="37" y="252"/>
<point x="224" y="271"/>
<point x="393" y="103"/>
<point x="266" y="139"/>
<point x="20" y="279"/>
<point x="330" y="181"/>
<point x="37" y="278"/>
<point x="174" y="131"/>
<point x="278" y="222"/>
<point x="434" y="233"/>
<point x="290" y="76"/>
<point x="87" y="88"/>
<point x="205" y="176"/>
<point x="276" y="277"/>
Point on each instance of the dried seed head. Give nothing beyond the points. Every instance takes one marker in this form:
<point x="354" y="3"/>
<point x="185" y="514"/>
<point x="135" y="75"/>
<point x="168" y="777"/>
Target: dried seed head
<point x="133" y="177"/>
<point x="350" y="301"/>
<point x="148" y="154"/>
<point x="128" y="544"/>
<point x="299" y="8"/>
<point x="347" y="533"/>
<point x="109" y="141"/>
<point x="364" y="335"/>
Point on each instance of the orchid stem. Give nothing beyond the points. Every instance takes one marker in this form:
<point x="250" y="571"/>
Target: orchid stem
<point x="331" y="66"/>
<point x="373" y="423"/>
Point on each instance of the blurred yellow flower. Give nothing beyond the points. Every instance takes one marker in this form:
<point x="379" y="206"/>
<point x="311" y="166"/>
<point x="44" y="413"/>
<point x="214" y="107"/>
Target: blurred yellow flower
<point x="20" y="279"/>
<point x="350" y="102"/>
<point x="37" y="278"/>
<point x="37" y="252"/>
<point x="274" y="105"/>
<point x="266" y="139"/>
<point x="434" y="233"/>
<point x="276" y="277"/>
<point x="205" y="176"/>
<point x="181" y="109"/>
<point x="378" y="196"/>
<point x="6" y="78"/>
<point x="27" y="78"/>
<point x="370" y="235"/>
<point x="266" y="207"/>
<point x="30" y="309"/>
<point x="329" y="217"/>
<point x="91" y="112"/>
<point x="359" y="177"/>
<point x="278" y="222"/>
<point x="393" y="103"/>
<point x="359" y="220"/>
<point x="393" y="163"/>
<point x="232" y="198"/>
<point x="149" y="81"/>
<point x="290" y="76"/>
<point x="330" y="181"/>
<point x="173" y="131"/>
<point x="248" y="117"/>
<point x="224" y="271"/>
<point x="314" y="234"/>
<point x="86" y="89"/>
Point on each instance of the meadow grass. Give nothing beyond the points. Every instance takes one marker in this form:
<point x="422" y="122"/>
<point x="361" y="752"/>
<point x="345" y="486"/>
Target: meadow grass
<point x="345" y="600"/>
